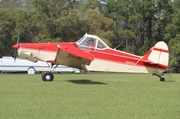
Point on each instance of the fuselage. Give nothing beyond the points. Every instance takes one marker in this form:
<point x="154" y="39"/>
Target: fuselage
<point x="106" y="59"/>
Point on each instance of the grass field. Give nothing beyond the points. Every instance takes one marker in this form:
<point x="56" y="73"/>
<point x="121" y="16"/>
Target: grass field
<point x="90" y="96"/>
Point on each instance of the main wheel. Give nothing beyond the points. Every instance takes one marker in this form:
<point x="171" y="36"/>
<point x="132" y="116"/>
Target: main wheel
<point x="162" y="79"/>
<point x="47" y="76"/>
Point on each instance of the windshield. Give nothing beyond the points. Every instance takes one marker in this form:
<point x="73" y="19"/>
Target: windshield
<point x="79" y="41"/>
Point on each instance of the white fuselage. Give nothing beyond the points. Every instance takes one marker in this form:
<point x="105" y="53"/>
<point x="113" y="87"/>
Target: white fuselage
<point x="109" y="66"/>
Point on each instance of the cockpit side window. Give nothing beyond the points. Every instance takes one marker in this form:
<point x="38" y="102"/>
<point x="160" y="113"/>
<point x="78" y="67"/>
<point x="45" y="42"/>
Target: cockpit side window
<point x="100" y="45"/>
<point x="88" y="41"/>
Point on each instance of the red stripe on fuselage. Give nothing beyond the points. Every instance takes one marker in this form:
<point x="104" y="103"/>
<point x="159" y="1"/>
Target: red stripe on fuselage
<point x="161" y="50"/>
<point x="115" y="56"/>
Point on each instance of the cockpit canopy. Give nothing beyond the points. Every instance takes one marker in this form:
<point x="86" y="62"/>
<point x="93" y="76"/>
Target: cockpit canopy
<point x="91" y="42"/>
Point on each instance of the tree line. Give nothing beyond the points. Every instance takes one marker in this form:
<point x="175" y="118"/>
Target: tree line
<point x="135" y="24"/>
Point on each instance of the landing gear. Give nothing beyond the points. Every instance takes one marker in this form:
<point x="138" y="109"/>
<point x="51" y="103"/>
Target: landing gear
<point x="47" y="76"/>
<point x="161" y="78"/>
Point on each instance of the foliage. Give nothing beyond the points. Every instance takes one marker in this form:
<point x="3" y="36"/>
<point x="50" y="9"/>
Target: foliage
<point x="173" y="36"/>
<point x="138" y="21"/>
<point x="145" y="47"/>
<point x="27" y="26"/>
<point x="50" y="15"/>
<point x="73" y="27"/>
<point x="100" y="26"/>
<point x="7" y="31"/>
<point x="15" y="4"/>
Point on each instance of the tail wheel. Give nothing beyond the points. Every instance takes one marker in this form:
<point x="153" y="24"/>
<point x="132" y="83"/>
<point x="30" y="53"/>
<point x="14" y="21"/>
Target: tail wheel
<point x="162" y="79"/>
<point x="47" y="76"/>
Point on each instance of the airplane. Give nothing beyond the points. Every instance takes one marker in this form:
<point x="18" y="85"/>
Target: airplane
<point x="97" y="57"/>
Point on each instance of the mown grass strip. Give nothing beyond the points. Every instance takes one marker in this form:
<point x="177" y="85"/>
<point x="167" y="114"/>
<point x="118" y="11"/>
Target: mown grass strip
<point x="90" y="96"/>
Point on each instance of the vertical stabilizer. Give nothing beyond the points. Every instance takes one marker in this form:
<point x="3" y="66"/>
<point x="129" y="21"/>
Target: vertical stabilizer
<point x="158" y="54"/>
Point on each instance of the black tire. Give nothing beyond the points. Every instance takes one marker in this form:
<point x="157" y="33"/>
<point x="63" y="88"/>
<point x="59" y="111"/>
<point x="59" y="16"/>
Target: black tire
<point x="162" y="79"/>
<point x="47" y="76"/>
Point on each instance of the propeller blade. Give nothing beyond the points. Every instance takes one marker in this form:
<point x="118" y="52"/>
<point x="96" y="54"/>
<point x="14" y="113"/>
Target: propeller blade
<point x="16" y="48"/>
<point x="17" y="39"/>
<point x="15" y="55"/>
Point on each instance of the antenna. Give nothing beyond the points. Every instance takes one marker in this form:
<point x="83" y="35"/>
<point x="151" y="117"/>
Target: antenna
<point x="118" y="45"/>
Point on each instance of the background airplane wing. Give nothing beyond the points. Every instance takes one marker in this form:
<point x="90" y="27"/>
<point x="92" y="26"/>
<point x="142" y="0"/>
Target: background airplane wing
<point x="73" y="57"/>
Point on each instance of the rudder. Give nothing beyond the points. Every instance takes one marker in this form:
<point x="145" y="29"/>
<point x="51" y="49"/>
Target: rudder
<point x="158" y="54"/>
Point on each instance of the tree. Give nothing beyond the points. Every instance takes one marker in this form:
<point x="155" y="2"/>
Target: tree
<point x="28" y="26"/>
<point x="7" y="27"/>
<point x="5" y="4"/>
<point x="138" y="23"/>
<point x="173" y="36"/>
<point x="55" y="17"/>
<point x="73" y="27"/>
<point x="100" y="26"/>
<point x="15" y="4"/>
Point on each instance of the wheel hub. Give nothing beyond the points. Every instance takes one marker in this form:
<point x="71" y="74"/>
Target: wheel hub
<point x="48" y="77"/>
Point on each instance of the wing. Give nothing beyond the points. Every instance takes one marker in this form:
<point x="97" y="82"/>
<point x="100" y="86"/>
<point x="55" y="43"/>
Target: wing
<point x="73" y="57"/>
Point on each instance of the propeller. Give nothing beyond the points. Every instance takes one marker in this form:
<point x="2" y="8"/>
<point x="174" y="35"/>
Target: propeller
<point x="17" y="39"/>
<point x="16" y="46"/>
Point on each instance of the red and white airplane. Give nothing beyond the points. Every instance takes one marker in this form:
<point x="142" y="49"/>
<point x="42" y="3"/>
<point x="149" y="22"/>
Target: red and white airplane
<point x="90" y="53"/>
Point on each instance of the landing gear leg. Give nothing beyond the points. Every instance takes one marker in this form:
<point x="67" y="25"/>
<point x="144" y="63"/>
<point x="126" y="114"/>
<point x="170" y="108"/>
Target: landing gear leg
<point x="48" y="75"/>
<point x="161" y="78"/>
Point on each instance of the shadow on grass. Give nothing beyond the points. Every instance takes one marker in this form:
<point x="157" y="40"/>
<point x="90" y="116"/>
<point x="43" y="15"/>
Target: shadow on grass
<point x="170" y="81"/>
<point x="85" y="81"/>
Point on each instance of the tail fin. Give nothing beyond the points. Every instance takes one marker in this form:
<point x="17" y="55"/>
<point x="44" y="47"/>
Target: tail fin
<point x="158" y="54"/>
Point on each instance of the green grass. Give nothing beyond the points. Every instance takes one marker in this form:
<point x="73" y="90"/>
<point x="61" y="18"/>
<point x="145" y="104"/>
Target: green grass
<point x="90" y="96"/>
